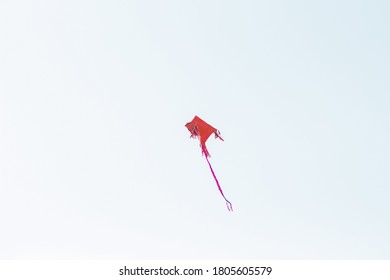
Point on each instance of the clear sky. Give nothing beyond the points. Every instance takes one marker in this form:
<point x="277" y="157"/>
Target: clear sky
<point x="95" y="161"/>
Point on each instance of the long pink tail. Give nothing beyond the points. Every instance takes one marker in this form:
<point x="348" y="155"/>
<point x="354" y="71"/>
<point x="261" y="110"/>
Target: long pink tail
<point x="228" y="204"/>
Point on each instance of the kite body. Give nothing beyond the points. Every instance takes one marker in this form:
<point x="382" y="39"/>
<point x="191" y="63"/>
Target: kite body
<point x="202" y="130"/>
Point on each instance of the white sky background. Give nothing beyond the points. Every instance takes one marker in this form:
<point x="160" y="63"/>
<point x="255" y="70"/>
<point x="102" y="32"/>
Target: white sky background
<point x="95" y="161"/>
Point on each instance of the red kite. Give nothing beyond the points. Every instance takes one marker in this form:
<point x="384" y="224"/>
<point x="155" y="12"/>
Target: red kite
<point x="202" y="130"/>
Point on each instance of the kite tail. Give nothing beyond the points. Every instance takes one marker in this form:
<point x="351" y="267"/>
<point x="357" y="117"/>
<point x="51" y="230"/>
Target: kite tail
<point x="204" y="151"/>
<point x="228" y="204"/>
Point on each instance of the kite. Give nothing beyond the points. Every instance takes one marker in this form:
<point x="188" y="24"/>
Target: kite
<point x="202" y="130"/>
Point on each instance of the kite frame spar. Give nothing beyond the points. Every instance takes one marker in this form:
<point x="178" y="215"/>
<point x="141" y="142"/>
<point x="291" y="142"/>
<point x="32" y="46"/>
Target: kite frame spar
<point x="202" y="130"/>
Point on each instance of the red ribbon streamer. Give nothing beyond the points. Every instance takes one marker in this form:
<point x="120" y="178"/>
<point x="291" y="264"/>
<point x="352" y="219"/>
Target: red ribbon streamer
<point x="228" y="204"/>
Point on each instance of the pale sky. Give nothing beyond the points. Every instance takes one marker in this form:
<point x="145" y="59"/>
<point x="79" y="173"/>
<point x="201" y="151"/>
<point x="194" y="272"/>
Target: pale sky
<point x="95" y="161"/>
